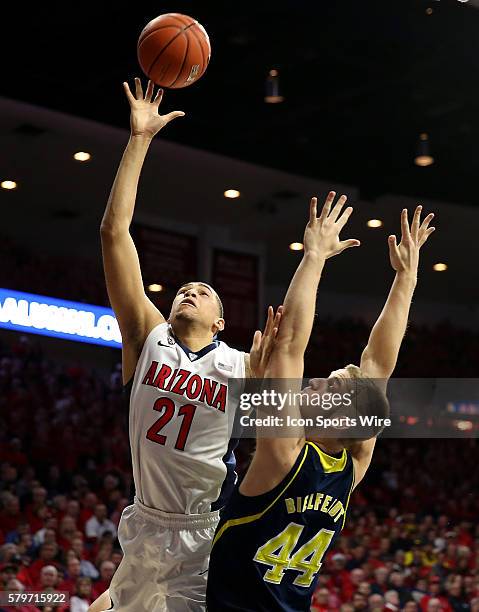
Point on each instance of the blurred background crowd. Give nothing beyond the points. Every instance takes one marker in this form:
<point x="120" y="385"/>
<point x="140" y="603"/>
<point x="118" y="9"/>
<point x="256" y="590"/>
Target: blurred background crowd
<point x="410" y="540"/>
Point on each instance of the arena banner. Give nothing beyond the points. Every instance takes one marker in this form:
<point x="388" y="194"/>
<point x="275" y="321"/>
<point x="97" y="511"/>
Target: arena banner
<point x="167" y="258"/>
<point x="235" y="277"/>
<point x="49" y="316"/>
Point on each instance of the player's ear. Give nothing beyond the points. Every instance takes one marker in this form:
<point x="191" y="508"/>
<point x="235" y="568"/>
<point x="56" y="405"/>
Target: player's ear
<point x="219" y="324"/>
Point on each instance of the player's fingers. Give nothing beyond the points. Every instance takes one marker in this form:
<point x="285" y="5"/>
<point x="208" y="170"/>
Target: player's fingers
<point x="393" y="247"/>
<point x="269" y="321"/>
<point x="138" y="89"/>
<point x="314" y="383"/>
<point x="343" y="219"/>
<point x="416" y="221"/>
<point x="337" y="208"/>
<point x="173" y="115"/>
<point x="276" y="322"/>
<point x="426" y="235"/>
<point x="405" y="233"/>
<point x="256" y="340"/>
<point x="129" y="95"/>
<point x="313" y="210"/>
<point x="158" y="97"/>
<point x="149" y="91"/>
<point x="347" y="244"/>
<point x="327" y="205"/>
<point x="425" y="223"/>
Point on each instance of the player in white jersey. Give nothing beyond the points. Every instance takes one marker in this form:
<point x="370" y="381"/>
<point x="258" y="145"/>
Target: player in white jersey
<point x="181" y="406"/>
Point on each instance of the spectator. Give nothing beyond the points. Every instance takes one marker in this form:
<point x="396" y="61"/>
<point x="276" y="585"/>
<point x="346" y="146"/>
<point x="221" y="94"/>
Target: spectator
<point x="320" y="601"/>
<point x="10" y="514"/>
<point x="48" y="578"/>
<point x="396" y="582"/>
<point x="87" y="568"/>
<point x="99" y="523"/>
<point x="391" y="600"/>
<point x="380" y="581"/>
<point x="15" y="586"/>
<point x="376" y="602"/>
<point x="359" y="602"/>
<point x="47" y="556"/>
<point x="72" y="575"/>
<point x="107" y="569"/>
<point x="82" y="599"/>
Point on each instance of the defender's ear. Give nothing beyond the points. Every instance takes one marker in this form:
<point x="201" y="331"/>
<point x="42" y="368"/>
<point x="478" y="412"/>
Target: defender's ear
<point x="219" y="324"/>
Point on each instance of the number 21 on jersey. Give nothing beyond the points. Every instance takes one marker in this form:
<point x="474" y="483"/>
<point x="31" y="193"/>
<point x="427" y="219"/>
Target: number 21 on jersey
<point x="166" y="407"/>
<point x="307" y="559"/>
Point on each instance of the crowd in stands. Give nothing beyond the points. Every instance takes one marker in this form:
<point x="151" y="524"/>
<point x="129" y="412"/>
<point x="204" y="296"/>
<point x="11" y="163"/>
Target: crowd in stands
<point x="410" y="542"/>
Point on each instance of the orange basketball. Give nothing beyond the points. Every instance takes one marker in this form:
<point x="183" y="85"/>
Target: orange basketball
<point x="174" y="50"/>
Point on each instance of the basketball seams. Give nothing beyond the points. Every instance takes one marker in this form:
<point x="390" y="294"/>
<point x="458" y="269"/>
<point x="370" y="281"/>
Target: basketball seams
<point x="182" y="26"/>
<point x="204" y="64"/>
<point x="184" y="60"/>
<point x="184" y="23"/>
<point x="162" y="51"/>
<point x="163" y="27"/>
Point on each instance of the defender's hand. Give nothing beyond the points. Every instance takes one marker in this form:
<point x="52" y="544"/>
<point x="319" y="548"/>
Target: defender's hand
<point x="321" y="236"/>
<point x="405" y="256"/>
<point x="145" y="119"/>
<point x="263" y="343"/>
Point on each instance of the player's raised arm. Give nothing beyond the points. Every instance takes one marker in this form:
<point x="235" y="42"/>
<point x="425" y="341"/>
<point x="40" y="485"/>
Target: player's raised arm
<point x="135" y="312"/>
<point x="275" y="454"/>
<point x="380" y="355"/>
<point x="321" y="241"/>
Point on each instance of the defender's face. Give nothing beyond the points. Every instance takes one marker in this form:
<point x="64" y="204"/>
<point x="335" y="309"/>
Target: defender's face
<point x="336" y="384"/>
<point x="196" y="302"/>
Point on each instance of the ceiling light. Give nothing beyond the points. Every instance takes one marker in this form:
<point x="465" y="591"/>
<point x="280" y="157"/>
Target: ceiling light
<point x="439" y="267"/>
<point x="82" y="156"/>
<point x="272" y="95"/>
<point x="296" y="246"/>
<point x="155" y="288"/>
<point x="232" y="193"/>
<point x="8" y="185"/>
<point x="423" y="156"/>
<point x="375" y="223"/>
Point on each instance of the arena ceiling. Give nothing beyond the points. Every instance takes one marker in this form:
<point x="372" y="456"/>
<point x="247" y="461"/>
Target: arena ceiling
<point x="361" y="81"/>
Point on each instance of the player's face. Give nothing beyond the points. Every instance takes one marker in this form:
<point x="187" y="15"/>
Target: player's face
<point x="197" y="302"/>
<point x="336" y="384"/>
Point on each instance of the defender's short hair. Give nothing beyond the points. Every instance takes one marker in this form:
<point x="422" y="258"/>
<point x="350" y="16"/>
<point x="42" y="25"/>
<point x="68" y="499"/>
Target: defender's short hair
<point x="370" y="401"/>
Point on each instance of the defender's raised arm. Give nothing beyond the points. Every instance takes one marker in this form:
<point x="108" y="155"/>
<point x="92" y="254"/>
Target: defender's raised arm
<point x="135" y="312"/>
<point x="380" y="355"/>
<point x="275" y="455"/>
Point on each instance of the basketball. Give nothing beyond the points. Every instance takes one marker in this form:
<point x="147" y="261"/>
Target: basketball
<point x="174" y="50"/>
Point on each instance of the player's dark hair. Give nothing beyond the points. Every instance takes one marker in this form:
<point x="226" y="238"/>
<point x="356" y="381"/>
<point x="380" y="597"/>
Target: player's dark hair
<point x="217" y="297"/>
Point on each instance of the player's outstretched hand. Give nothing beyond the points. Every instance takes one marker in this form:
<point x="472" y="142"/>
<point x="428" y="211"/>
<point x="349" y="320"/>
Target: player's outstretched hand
<point x="321" y="236"/>
<point x="144" y="118"/>
<point x="263" y="343"/>
<point x="405" y="255"/>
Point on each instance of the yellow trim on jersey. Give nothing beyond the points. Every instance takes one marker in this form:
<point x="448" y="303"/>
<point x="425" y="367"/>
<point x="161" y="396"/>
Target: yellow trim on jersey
<point x="349" y="495"/>
<point x="255" y="517"/>
<point x="330" y="464"/>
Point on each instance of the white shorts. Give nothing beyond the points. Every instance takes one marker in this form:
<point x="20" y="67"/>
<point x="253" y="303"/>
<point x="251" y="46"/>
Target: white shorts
<point x="165" y="563"/>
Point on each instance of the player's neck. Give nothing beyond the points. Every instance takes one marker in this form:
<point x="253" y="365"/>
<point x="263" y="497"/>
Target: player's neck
<point x="192" y="337"/>
<point x="328" y="446"/>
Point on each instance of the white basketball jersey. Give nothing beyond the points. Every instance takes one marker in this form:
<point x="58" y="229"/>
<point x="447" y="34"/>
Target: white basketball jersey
<point x="181" y="415"/>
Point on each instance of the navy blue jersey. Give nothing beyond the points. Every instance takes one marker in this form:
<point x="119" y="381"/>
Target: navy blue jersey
<point x="268" y="548"/>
